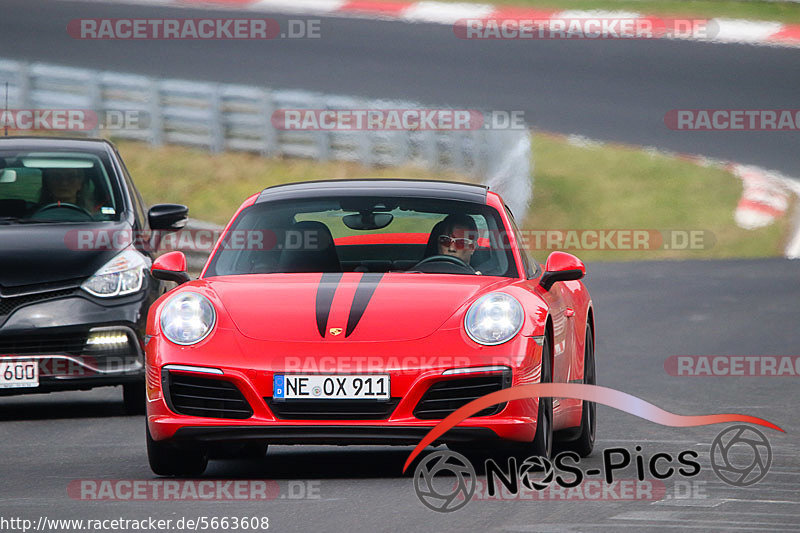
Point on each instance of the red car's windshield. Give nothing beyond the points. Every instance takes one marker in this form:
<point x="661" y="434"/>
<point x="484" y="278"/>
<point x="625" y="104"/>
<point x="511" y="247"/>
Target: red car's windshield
<point x="366" y="235"/>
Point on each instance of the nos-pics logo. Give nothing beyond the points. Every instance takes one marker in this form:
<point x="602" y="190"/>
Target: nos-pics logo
<point x="445" y="481"/>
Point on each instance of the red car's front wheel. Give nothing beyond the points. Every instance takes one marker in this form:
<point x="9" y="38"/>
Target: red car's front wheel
<point x="168" y="460"/>
<point x="543" y="441"/>
<point x="584" y="443"/>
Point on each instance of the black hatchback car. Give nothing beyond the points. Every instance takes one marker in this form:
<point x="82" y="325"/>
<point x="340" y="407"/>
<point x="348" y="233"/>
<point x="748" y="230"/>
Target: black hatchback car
<point x="75" y="285"/>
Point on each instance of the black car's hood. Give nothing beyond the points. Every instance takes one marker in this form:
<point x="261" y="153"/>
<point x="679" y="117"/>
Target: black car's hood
<point x="32" y="254"/>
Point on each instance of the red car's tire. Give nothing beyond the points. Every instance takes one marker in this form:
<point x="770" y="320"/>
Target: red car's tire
<point x="542" y="444"/>
<point x="584" y="443"/>
<point x="167" y="460"/>
<point x="543" y="440"/>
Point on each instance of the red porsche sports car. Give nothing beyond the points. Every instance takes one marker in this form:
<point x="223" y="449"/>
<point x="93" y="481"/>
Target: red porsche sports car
<point x="364" y="312"/>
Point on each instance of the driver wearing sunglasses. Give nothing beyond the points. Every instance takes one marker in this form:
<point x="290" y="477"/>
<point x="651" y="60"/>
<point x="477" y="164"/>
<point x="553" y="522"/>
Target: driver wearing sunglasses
<point x="459" y="237"/>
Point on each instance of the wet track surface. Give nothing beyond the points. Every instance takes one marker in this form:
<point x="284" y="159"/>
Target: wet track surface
<point x="611" y="90"/>
<point x="645" y="313"/>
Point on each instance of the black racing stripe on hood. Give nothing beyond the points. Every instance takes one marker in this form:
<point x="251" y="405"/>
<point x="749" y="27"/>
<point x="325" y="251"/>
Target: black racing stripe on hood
<point x="325" y="291"/>
<point x="366" y="287"/>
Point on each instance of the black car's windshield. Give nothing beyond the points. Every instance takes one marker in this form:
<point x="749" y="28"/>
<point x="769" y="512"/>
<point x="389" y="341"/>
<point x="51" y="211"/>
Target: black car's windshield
<point x="366" y="234"/>
<point x="54" y="187"/>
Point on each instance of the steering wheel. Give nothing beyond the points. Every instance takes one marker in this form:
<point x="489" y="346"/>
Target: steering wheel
<point x="453" y="260"/>
<point x="56" y="205"/>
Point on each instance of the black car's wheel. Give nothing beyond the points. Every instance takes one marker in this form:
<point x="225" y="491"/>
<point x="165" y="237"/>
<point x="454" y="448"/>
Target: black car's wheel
<point x="133" y="396"/>
<point x="168" y="460"/>
<point x="584" y="443"/>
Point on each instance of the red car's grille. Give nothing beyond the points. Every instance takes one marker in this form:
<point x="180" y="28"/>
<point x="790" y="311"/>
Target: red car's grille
<point x="332" y="409"/>
<point x="442" y="398"/>
<point x="213" y="398"/>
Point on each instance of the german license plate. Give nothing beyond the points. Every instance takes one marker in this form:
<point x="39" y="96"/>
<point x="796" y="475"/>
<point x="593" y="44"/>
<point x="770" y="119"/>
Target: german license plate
<point x="330" y="387"/>
<point x="19" y="374"/>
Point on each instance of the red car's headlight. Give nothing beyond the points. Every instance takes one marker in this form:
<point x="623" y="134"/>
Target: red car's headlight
<point x="494" y="319"/>
<point x="187" y="318"/>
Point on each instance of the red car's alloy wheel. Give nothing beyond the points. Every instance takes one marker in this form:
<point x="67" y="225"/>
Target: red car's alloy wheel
<point x="584" y="443"/>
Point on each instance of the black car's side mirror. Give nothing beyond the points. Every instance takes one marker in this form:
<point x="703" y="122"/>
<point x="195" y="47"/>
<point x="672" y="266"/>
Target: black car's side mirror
<point x="168" y="217"/>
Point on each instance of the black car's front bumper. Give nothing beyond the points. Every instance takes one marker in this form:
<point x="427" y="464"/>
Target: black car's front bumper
<point x="67" y="334"/>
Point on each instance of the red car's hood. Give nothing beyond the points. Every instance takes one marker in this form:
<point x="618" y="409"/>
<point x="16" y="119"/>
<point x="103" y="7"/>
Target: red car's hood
<point x="352" y="306"/>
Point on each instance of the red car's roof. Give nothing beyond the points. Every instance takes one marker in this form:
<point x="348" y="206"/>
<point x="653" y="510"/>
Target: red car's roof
<point x="444" y="190"/>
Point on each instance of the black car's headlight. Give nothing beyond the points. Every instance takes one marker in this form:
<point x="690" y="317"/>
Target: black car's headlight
<point x="187" y="318"/>
<point x="123" y="275"/>
<point x="494" y="318"/>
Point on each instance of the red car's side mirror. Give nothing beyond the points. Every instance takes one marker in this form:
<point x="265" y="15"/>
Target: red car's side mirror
<point x="561" y="266"/>
<point x="170" y="267"/>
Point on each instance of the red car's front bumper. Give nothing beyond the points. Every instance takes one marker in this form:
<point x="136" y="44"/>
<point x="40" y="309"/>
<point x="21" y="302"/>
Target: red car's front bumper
<point x="250" y="365"/>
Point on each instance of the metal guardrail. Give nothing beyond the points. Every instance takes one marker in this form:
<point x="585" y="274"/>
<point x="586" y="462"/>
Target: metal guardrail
<point x="222" y="117"/>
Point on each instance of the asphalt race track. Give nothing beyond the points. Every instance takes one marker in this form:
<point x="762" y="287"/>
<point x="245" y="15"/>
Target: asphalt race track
<point x="645" y="313"/>
<point x="610" y="90"/>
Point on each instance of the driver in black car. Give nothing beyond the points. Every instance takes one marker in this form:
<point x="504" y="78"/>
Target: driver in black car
<point x="64" y="185"/>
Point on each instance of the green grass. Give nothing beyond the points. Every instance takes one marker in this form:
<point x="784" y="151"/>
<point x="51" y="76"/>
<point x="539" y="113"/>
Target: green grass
<point x="743" y="9"/>
<point x="619" y="188"/>
<point x="574" y="188"/>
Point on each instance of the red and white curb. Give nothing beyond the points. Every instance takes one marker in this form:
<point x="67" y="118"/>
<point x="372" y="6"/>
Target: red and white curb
<point x="725" y="30"/>
<point x="766" y="194"/>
